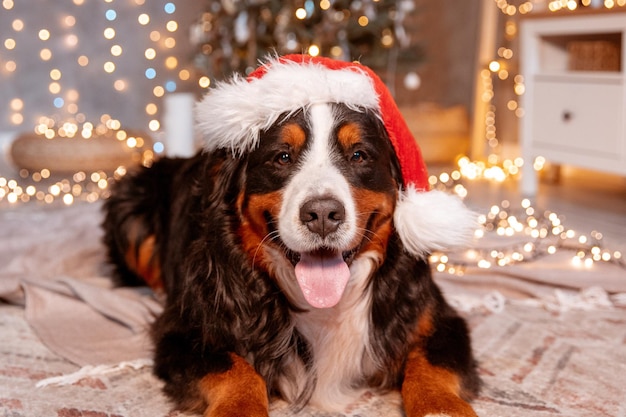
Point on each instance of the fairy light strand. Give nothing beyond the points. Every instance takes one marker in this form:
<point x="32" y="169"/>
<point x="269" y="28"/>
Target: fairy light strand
<point x="534" y="233"/>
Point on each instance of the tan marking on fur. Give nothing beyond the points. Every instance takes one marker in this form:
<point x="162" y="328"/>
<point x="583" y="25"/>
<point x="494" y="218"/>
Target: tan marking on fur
<point x="381" y="207"/>
<point x="144" y="262"/>
<point x="253" y="229"/>
<point x="240" y="391"/>
<point x="431" y="390"/>
<point x="349" y="134"/>
<point x="294" y="135"/>
<point x="425" y="326"/>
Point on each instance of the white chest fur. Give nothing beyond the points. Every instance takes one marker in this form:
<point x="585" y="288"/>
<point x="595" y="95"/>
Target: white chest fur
<point x="339" y="341"/>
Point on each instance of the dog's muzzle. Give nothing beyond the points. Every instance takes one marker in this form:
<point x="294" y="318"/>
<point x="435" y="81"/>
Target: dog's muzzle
<point x="322" y="274"/>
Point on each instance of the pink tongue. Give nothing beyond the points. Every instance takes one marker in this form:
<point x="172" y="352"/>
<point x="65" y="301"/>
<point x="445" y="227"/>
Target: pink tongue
<point x="322" y="279"/>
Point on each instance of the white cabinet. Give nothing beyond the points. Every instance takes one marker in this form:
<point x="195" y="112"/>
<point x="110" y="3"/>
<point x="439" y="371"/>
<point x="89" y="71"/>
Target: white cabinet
<point x="575" y="100"/>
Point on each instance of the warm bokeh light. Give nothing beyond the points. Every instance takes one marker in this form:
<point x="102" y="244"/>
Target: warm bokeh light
<point x="204" y="82"/>
<point x="143" y="19"/>
<point x="44" y="34"/>
<point x="45" y="54"/>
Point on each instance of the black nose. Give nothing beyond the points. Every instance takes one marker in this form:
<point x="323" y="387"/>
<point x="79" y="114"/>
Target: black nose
<point x="322" y="215"/>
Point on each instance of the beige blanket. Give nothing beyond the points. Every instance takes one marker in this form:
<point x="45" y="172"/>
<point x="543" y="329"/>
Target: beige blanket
<point x="52" y="262"/>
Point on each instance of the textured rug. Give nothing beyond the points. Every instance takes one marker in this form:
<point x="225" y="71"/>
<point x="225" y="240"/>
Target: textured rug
<point x="533" y="362"/>
<point x="544" y="349"/>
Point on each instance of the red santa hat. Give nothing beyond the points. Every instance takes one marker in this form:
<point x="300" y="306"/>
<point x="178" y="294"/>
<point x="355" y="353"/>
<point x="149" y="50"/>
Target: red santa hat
<point x="234" y="113"/>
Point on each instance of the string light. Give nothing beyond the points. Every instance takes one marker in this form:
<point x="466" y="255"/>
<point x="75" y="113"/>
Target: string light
<point x="534" y="235"/>
<point x="43" y="186"/>
<point x="16" y="36"/>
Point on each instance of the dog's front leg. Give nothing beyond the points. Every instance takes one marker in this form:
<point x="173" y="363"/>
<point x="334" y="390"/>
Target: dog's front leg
<point x="432" y="391"/>
<point x="237" y="392"/>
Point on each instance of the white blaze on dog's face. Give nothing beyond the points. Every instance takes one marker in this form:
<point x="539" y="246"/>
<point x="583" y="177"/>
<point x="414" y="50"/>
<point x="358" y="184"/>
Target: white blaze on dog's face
<point x="318" y="215"/>
<point x="320" y="190"/>
<point x="303" y="225"/>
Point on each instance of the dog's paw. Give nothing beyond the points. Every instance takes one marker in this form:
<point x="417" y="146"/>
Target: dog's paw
<point x="237" y="410"/>
<point x="450" y="415"/>
<point x="453" y="413"/>
<point x="469" y="413"/>
<point x="453" y="407"/>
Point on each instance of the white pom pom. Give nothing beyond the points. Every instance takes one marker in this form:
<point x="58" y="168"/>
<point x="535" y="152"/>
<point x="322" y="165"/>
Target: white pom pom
<point x="432" y="220"/>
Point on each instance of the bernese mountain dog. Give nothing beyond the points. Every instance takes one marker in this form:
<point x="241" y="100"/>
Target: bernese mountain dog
<point x="293" y="251"/>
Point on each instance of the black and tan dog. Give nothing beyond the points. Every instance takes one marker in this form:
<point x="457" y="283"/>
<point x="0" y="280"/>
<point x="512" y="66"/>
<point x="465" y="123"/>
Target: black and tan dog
<point x="293" y="251"/>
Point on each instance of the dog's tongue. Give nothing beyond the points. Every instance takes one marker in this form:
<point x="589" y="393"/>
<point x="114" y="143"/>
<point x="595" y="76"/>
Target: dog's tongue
<point x="322" y="278"/>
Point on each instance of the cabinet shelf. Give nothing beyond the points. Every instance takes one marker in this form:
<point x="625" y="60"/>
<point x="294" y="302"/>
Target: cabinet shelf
<point x="599" y="52"/>
<point x="581" y="76"/>
<point x="575" y="100"/>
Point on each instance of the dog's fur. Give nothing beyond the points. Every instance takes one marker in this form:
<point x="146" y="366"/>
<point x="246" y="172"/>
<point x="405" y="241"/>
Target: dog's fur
<point x="221" y="234"/>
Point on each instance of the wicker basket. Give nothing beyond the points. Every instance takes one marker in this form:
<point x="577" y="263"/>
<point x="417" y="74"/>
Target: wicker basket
<point x="593" y="56"/>
<point x="104" y="152"/>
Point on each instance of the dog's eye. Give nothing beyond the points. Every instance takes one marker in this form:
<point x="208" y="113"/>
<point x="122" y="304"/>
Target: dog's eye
<point x="358" y="156"/>
<point x="283" y="158"/>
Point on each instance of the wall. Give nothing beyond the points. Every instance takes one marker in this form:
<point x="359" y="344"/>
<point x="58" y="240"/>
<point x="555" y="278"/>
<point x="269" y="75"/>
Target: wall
<point x="448" y="32"/>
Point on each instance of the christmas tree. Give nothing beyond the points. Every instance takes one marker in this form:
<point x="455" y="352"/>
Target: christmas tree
<point x="232" y="36"/>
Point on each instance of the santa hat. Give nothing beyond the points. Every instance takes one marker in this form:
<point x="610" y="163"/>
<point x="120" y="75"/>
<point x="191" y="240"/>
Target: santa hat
<point x="234" y="113"/>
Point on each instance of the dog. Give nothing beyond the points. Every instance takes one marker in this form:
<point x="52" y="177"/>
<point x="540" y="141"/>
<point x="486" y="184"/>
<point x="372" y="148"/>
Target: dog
<point x="293" y="251"/>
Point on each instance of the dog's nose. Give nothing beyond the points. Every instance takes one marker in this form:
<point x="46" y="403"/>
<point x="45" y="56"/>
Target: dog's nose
<point x="322" y="215"/>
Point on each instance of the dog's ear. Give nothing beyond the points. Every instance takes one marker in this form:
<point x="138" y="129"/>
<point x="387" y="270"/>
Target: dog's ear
<point x="394" y="164"/>
<point x="224" y="176"/>
<point x="394" y="168"/>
